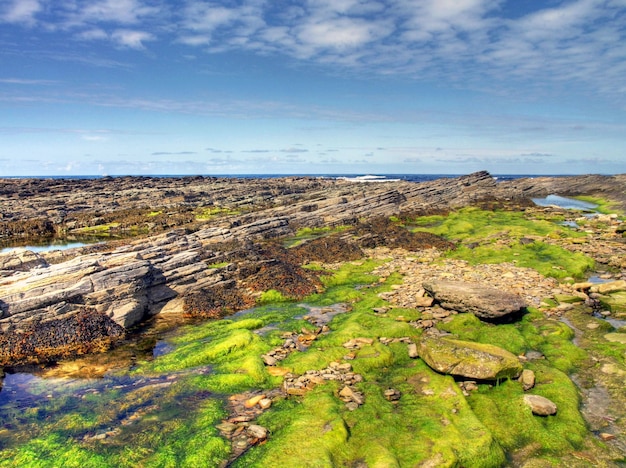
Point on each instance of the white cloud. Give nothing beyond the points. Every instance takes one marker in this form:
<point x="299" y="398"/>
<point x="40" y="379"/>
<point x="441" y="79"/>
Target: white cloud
<point x="460" y="41"/>
<point x="131" y="39"/>
<point x="93" y="34"/>
<point x="21" y="11"/>
<point x="115" y="11"/>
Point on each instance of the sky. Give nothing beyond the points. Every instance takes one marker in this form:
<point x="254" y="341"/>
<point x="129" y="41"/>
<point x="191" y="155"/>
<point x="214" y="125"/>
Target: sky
<point x="134" y="87"/>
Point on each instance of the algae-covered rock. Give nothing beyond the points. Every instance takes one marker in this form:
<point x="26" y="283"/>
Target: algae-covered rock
<point x="483" y="301"/>
<point x="616" y="337"/>
<point x="468" y="359"/>
<point x="615" y="302"/>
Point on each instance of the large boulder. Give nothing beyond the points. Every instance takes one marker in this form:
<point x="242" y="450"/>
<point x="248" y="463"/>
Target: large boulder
<point x="468" y="359"/>
<point x="483" y="301"/>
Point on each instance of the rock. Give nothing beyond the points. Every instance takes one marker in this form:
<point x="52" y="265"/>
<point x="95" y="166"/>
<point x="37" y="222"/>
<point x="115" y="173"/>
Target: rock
<point x="265" y="403"/>
<point x="610" y="287"/>
<point x="20" y="259"/>
<point x="413" y="351"/>
<point x="539" y="405"/>
<point x="616" y="337"/>
<point x="349" y="394"/>
<point x="614" y="302"/>
<point x="132" y="282"/>
<point x="468" y="359"/>
<point x="483" y="301"/>
<point x="252" y="402"/>
<point x="391" y="394"/>
<point x="256" y="431"/>
<point x="269" y="360"/>
<point x="527" y="379"/>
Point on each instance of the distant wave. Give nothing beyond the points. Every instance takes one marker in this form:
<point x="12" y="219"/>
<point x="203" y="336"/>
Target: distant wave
<point x="368" y="178"/>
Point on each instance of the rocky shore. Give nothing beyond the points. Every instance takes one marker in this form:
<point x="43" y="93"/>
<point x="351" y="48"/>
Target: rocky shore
<point x="213" y="261"/>
<point x="443" y="330"/>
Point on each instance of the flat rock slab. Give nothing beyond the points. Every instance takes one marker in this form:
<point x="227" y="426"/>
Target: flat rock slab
<point x="483" y="301"/>
<point x="468" y="359"/>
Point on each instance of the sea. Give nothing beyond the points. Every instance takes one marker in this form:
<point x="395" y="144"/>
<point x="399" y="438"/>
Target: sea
<point x="352" y="177"/>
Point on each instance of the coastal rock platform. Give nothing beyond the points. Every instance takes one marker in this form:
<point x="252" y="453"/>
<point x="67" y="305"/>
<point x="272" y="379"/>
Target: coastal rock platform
<point x="200" y="236"/>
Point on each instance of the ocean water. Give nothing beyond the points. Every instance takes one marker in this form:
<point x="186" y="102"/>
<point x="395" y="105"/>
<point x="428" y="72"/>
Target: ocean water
<point x="360" y="177"/>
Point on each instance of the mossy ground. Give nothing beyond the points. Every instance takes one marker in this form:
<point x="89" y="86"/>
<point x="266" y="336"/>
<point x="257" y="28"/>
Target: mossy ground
<point x="502" y="236"/>
<point x="164" y="411"/>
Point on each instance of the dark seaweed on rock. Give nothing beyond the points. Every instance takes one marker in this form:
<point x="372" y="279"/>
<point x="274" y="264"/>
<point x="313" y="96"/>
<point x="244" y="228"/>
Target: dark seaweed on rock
<point x="217" y="301"/>
<point x="383" y="232"/>
<point x="84" y="332"/>
<point x="329" y="249"/>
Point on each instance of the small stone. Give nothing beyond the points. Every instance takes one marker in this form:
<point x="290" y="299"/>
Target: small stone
<point x="413" y="350"/>
<point x="348" y="393"/>
<point x="277" y="371"/>
<point x="252" y="402"/>
<point x="269" y="360"/>
<point x="593" y="325"/>
<point x="527" y="379"/>
<point x="256" y="431"/>
<point x="605" y="436"/>
<point x="296" y="391"/>
<point x="351" y="406"/>
<point x="539" y="405"/>
<point x="226" y="427"/>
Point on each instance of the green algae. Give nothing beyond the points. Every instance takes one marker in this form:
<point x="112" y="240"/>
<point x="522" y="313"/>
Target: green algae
<point x="494" y="237"/>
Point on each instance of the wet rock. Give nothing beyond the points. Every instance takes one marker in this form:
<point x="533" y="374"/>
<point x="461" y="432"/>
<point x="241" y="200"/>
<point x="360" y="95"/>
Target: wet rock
<point x="483" y="301"/>
<point x="468" y="359"/>
<point x="539" y="405"/>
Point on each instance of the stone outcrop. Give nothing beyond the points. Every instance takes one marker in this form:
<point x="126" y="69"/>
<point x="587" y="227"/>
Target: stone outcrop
<point x="483" y="301"/>
<point x="468" y="359"/>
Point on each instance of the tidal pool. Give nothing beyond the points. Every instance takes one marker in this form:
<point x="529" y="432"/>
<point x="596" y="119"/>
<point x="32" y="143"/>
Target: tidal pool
<point x="565" y="203"/>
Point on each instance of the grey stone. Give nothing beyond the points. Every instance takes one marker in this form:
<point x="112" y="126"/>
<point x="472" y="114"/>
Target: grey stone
<point x="539" y="405"/>
<point x="483" y="301"/>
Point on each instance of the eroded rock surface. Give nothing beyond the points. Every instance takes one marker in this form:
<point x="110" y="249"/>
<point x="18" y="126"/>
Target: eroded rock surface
<point x="483" y="301"/>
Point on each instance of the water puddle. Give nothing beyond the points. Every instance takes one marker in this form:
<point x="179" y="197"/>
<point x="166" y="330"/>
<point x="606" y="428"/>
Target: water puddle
<point x="565" y="203"/>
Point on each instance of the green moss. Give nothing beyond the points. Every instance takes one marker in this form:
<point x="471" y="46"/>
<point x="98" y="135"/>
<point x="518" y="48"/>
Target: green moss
<point x="549" y="260"/>
<point x="218" y="265"/>
<point x="308" y="233"/>
<point x="100" y="229"/>
<point x="208" y="213"/>
<point x="272" y="296"/>
<point x="604" y="206"/>
<point x="53" y="451"/>
<point x="514" y="426"/>
<point x="498" y="232"/>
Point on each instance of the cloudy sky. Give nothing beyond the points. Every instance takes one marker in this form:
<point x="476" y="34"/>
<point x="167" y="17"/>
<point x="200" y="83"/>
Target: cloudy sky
<point x="312" y="86"/>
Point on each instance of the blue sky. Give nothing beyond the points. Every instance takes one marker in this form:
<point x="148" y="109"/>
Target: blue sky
<point x="312" y="86"/>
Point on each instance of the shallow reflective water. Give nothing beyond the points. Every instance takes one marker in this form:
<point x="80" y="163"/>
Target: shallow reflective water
<point x="565" y="203"/>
